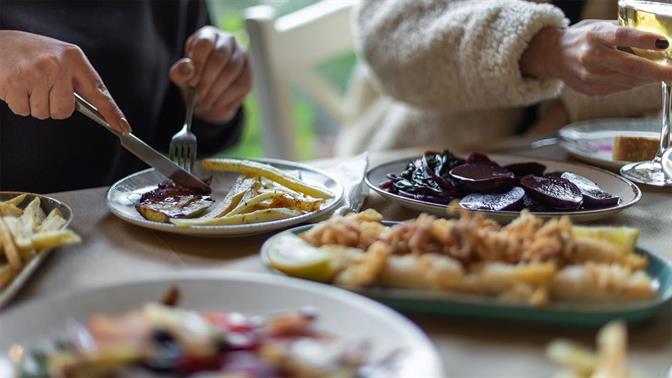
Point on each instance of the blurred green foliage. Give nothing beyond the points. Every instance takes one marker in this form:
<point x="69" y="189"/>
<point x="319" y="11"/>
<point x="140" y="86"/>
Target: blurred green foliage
<point x="228" y="16"/>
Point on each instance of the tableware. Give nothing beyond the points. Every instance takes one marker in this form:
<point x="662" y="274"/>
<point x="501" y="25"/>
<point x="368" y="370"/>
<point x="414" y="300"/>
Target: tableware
<point x="656" y="17"/>
<point x="667" y="162"/>
<point x="609" y="182"/>
<point x="592" y="141"/>
<point x="123" y="195"/>
<point x="183" y="145"/>
<point x="48" y="204"/>
<point x="143" y="151"/>
<point x="339" y="312"/>
<point x="566" y="313"/>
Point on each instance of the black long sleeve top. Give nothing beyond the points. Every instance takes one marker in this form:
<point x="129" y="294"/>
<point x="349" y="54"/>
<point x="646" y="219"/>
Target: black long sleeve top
<point x="132" y="45"/>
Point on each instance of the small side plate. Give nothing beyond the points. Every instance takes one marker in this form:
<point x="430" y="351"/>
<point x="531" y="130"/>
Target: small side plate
<point x="123" y="195"/>
<point x="24" y="275"/>
<point x="593" y="141"/>
<point x="610" y="182"/>
<point x="561" y="313"/>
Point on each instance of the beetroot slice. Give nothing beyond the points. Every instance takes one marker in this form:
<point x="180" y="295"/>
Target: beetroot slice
<point x="482" y="177"/>
<point x="553" y="192"/>
<point x="593" y="196"/>
<point x="480" y="158"/>
<point x="511" y="200"/>
<point x="527" y="168"/>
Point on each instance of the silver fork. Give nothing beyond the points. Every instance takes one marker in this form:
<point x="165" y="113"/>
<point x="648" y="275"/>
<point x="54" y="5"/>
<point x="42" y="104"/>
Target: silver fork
<point x="182" y="148"/>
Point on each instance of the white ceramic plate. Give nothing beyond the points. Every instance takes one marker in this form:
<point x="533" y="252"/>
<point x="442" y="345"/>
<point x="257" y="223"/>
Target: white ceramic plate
<point x="340" y="312"/>
<point x="123" y="195"/>
<point x="609" y="182"/>
<point x="593" y="141"/>
<point x="48" y="204"/>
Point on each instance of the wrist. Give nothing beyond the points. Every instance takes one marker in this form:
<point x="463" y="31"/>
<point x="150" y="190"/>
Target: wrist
<point x="540" y="58"/>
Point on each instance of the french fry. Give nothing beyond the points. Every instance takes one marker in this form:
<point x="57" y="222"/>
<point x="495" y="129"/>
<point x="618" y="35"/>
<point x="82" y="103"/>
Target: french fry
<point x="246" y="205"/>
<point x="8" y="209"/>
<point x="16" y="201"/>
<point x="576" y="357"/>
<point x="612" y="356"/>
<point x="7" y="273"/>
<point x="267" y="171"/>
<point x="54" y="221"/>
<point x="33" y="213"/>
<point x="294" y="202"/>
<point x="52" y="239"/>
<point x="22" y="234"/>
<point x="11" y="252"/>
<point x="233" y="197"/>
<point x="246" y="218"/>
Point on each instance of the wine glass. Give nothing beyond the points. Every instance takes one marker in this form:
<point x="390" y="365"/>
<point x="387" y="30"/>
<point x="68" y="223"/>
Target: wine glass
<point x="666" y="161"/>
<point x="655" y="17"/>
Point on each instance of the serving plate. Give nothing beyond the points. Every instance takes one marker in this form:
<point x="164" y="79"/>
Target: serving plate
<point x="340" y="312"/>
<point x="593" y="141"/>
<point x="24" y="275"/>
<point x="565" y="313"/>
<point x="125" y="193"/>
<point x="610" y="182"/>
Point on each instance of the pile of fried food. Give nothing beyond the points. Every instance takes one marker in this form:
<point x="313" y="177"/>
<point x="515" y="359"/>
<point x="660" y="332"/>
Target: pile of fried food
<point x="27" y="231"/>
<point x="527" y="261"/>
<point x="610" y="359"/>
<point x="262" y="193"/>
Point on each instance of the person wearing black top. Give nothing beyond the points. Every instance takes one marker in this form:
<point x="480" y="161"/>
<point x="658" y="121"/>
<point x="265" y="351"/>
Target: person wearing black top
<point x="143" y="53"/>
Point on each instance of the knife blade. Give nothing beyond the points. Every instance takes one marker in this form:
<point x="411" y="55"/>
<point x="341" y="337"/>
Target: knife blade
<point x="143" y="151"/>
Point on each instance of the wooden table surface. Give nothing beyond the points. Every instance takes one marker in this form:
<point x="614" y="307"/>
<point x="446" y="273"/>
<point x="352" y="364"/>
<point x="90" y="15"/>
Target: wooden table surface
<point x="114" y="251"/>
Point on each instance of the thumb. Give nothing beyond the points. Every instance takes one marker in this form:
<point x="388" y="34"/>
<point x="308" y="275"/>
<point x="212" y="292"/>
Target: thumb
<point x="181" y="72"/>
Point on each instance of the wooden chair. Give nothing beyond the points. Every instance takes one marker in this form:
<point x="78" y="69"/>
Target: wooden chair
<point x="285" y="51"/>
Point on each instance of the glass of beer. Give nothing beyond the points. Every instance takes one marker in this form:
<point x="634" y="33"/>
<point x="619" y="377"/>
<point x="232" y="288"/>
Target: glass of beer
<point x="655" y="17"/>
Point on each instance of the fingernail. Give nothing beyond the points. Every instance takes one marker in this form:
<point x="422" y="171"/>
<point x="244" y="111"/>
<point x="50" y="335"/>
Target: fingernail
<point x="187" y="68"/>
<point x="126" y="126"/>
<point x="662" y="43"/>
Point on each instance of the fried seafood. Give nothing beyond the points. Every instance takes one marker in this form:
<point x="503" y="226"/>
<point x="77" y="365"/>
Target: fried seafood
<point x="527" y="261"/>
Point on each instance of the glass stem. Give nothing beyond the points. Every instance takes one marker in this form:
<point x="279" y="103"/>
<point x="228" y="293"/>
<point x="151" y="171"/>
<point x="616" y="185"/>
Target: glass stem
<point x="665" y="132"/>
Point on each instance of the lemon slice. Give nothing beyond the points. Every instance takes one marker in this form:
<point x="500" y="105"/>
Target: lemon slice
<point x="623" y="237"/>
<point x="293" y="256"/>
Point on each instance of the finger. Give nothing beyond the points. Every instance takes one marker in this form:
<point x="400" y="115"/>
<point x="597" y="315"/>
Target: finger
<point x="225" y="46"/>
<point x="18" y="102"/>
<point x="613" y="35"/>
<point x="198" y="49"/>
<point x="232" y="72"/>
<point x="181" y="72"/>
<point x="39" y="102"/>
<point x="61" y="99"/>
<point x="633" y="65"/>
<point x="91" y="87"/>
<point x="225" y="112"/>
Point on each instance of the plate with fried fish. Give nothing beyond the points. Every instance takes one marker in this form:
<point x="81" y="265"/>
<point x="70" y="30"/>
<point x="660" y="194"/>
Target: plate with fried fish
<point x="248" y="197"/>
<point x="532" y="269"/>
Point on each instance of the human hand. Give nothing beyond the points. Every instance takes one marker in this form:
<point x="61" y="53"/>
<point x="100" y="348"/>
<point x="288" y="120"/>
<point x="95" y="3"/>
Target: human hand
<point x="551" y="121"/>
<point x="219" y="68"/>
<point x="38" y="76"/>
<point x="585" y="57"/>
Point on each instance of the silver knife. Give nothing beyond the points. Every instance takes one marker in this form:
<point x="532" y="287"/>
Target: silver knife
<point x="143" y="151"/>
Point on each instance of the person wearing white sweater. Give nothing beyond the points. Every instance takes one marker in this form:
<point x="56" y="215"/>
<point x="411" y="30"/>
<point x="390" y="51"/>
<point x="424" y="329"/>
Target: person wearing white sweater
<point x="453" y="72"/>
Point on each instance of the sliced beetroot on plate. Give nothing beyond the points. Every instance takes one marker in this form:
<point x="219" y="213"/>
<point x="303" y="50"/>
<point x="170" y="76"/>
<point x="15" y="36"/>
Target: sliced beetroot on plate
<point x="593" y="196"/>
<point x="527" y="168"/>
<point x="510" y="200"/>
<point x="553" y="192"/>
<point x="482" y="177"/>
<point x="532" y="205"/>
<point x="479" y="158"/>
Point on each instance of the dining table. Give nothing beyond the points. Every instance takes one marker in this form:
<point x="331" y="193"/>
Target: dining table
<point x="114" y="251"/>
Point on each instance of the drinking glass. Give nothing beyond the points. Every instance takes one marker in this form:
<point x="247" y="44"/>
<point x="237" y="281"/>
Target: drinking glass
<point x="655" y="17"/>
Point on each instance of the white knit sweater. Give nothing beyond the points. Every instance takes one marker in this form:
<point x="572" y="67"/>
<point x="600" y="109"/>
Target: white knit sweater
<point x="446" y="72"/>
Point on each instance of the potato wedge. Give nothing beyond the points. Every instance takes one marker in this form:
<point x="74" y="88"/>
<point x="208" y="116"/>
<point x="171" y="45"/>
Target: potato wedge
<point x="16" y="201"/>
<point x="240" y="187"/>
<point x="296" y="201"/>
<point x="246" y="205"/>
<point x="52" y="239"/>
<point x="253" y="217"/>
<point x="53" y="221"/>
<point x="22" y="234"/>
<point x="11" y="252"/>
<point x="33" y="214"/>
<point x="267" y="171"/>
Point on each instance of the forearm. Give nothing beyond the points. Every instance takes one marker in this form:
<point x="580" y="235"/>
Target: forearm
<point x="454" y="55"/>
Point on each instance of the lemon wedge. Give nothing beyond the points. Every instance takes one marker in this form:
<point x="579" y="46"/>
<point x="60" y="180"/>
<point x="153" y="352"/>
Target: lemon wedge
<point x="293" y="256"/>
<point x="623" y="237"/>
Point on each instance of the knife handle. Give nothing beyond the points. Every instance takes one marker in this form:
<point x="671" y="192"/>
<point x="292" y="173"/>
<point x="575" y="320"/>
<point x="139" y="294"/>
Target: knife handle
<point x="91" y="112"/>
